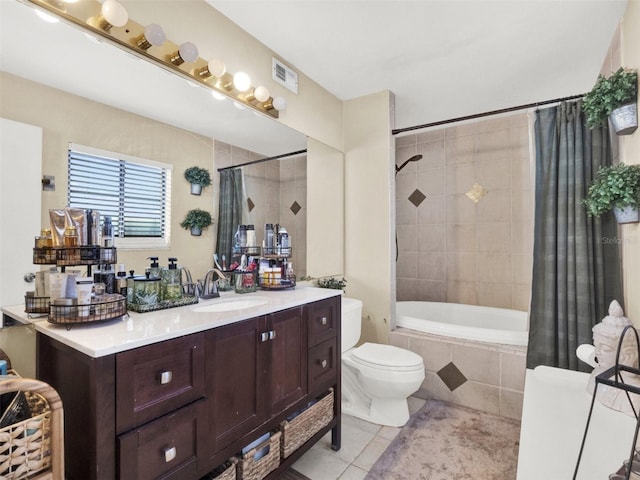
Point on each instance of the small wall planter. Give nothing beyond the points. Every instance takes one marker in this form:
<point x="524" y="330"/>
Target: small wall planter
<point x="196" y="220"/>
<point x="625" y="119"/>
<point x="198" y="178"/>
<point x="627" y="214"/>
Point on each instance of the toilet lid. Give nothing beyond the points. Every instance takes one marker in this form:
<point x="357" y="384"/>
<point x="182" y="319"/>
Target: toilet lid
<point x="387" y="357"/>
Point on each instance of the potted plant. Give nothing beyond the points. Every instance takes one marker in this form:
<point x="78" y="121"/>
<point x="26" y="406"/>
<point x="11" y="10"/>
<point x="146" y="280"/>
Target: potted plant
<point x="617" y="188"/>
<point x="616" y="98"/>
<point x="198" y="178"/>
<point x="196" y="220"/>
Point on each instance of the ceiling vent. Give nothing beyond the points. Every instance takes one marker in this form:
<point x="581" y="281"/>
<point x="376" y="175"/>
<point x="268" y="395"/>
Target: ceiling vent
<point x="285" y="75"/>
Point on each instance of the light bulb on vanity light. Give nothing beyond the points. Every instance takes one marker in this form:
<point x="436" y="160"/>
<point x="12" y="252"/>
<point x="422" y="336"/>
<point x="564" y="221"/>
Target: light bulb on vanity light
<point x="215" y="68"/>
<point x="260" y="93"/>
<point x="153" y="36"/>
<point x="187" y="52"/>
<point x="113" y="15"/>
<point x="279" y="103"/>
<point x="241" y="81"/>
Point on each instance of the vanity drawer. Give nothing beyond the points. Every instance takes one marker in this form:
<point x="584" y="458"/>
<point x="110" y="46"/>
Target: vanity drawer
<point x="157" y="379"/>
<point x="323" y="368"/>
<point x="167" y="448"/>
<point x="323" y="320"/>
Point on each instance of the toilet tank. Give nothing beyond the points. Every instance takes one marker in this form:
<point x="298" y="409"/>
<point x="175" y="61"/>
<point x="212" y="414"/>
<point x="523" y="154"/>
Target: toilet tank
<point x="351" y="322"/>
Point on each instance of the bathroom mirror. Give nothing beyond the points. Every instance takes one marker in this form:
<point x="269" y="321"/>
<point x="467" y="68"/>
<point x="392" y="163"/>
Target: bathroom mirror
<point x="63" y="57"/>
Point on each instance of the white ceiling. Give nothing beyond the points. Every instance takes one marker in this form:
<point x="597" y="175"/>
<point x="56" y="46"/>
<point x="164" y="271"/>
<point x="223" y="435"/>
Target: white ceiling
<point x="441" y="59"/>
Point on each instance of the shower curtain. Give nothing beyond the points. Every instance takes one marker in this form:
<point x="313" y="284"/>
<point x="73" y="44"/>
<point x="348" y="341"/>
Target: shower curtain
<point x="577" y="268"/>
<point x="230" y="209"/>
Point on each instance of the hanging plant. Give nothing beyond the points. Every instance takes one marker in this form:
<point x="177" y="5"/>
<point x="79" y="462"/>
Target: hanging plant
<point x="196" y="220"/>
<point x="615" y="187"/>
<point x="198" y="178"/>
<point x="610" y="94"/>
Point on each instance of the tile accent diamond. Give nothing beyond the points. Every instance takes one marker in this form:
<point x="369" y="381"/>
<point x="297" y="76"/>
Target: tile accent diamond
<point x="417" y="197"/>
<point x="476" y="193"/>
<point x="451" y="376"/>
<point x="250" y="204"/>
<point x="295" y="207"/>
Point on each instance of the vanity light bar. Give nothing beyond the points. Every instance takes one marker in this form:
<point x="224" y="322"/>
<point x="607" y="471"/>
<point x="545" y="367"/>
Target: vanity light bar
<point x="87" y="15"/>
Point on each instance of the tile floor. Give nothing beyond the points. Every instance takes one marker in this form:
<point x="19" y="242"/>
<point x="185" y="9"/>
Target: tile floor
<point x="362" y="444"/>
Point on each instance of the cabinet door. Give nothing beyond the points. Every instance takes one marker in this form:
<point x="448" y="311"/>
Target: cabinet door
<point x="236" y="373"/>
<point x="288" y="346"/>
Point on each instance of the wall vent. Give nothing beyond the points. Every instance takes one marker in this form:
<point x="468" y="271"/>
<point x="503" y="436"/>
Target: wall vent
<point x="285" y="75"/>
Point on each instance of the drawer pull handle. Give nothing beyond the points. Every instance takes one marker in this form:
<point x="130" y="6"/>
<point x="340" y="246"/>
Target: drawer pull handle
<point x="166" y="377"/>
<point x="264" y="336"/>
<point x="323" y="363"/>
<point x="323" y="320"/>
<point x="272" y="334"/>
<point x="169" y="454"/>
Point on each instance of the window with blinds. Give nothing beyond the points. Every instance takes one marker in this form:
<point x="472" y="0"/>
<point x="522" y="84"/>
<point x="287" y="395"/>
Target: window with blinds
<point x="135" y="192"/>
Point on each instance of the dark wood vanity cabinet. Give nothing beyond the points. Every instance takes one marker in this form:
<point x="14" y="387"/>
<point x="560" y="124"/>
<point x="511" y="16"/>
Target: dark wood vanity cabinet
<point x="178" y="408"/>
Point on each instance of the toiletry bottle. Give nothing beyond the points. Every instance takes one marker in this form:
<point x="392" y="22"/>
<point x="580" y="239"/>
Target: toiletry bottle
<point x="251" y="236"/>
<point x="130" y="285"/>
<point x="172" y="281"/>
<point x="107" y="240"/>
<point x="154" y="269"/>
<point x="71" y="253"/>
<point x="268" y="239"/>
<point x="121" y="281"/>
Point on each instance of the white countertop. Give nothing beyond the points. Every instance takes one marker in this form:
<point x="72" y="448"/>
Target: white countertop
<point x="139" y="329"/>
<point x="555" y="410"/>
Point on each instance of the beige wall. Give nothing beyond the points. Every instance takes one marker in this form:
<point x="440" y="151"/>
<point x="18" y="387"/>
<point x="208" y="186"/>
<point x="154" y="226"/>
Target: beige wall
<point x="450" y="248"/>
<point x="369" y="215"/>
<point x="630" y="154"/>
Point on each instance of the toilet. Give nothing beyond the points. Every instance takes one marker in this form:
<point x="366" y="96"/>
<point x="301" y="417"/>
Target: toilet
<point x="376" y="378"/>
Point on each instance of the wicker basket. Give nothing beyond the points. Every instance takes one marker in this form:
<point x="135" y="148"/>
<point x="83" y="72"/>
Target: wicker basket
<point x="306" y="425"/>
<point x="226" y="471"/>
<point x="33" y="448"/>
<point x="251" y="469"/>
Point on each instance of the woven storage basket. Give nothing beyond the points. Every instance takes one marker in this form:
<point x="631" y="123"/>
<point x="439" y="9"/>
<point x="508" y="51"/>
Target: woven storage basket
<point x="33" y="448"/>
<point x="251" y="469"/>
<point x="229" y="473"/>
<point x="306" y="425"/>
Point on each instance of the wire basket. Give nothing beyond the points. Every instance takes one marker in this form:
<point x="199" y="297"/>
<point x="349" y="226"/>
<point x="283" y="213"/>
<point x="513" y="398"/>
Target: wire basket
<point x="269" y="282"/>
<point x="276" y="252"/>
<point x="33" y="304"/>
<point x="104" y="308"/>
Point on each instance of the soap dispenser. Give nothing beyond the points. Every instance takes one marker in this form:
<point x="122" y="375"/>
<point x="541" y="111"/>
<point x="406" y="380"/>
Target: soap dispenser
<point x="172" y="281"/>
<point x="154" y="269"/>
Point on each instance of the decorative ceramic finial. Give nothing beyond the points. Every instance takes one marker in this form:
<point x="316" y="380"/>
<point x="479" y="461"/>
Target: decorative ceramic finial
<point x="616" y="318"/>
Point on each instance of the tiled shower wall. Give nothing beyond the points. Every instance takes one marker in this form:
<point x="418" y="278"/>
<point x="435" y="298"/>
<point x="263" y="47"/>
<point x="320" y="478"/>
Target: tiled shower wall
<point x="276" y="193"/>
<point x="464" y="214"/>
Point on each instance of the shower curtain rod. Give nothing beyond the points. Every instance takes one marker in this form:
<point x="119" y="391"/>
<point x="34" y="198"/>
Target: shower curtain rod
<point x="485" y="114"/>
<point x="276" y="157"/>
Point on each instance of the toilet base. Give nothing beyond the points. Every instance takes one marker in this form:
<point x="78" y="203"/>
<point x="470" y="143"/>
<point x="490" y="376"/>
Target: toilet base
<point x="382" y="411"/>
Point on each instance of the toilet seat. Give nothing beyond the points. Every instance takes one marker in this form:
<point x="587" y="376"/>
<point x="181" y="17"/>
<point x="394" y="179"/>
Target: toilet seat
<point x="386" y="357"/>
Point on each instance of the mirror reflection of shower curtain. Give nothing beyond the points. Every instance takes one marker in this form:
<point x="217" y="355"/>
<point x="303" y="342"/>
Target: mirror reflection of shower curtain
<point x="230" y="210"/>
<point x="576" y="271"/>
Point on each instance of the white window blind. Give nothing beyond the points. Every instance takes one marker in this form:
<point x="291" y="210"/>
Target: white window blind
<point x="134" y="192"/>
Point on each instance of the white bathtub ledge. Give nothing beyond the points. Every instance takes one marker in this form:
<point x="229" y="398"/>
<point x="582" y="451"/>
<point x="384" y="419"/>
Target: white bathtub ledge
<point x="555" y="409"/>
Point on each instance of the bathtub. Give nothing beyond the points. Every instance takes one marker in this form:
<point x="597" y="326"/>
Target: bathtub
<point x="465" y="322"/>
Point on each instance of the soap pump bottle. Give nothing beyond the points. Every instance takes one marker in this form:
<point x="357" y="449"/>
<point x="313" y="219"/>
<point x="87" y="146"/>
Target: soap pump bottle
<point x="172" y="281"/>
<point x="154" y="269"/>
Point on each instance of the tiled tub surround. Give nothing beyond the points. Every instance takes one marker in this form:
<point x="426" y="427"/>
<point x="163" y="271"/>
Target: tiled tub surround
<point x="464" y="214"/>
<point x="486" y="376"/>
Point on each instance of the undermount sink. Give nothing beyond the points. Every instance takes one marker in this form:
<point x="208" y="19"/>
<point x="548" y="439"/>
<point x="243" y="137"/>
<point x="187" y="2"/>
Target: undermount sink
<point x="232" y="304"/>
